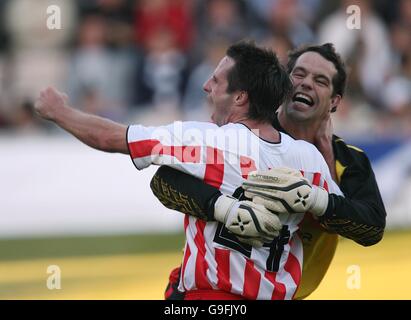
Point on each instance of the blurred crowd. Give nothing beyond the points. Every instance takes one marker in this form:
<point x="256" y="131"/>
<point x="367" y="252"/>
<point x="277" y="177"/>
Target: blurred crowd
<point x="146" y="60"/>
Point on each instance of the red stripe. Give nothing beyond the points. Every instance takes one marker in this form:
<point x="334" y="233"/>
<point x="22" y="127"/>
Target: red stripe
<point x="292" y="266"/>
<point x="251" y="281"/>
<point x="316" y="179"/>
<point x="299" y="225"/>
<point x="201" y="263"/>
<point x="222" y="257"/>
<point x="247" y="165"/>
<point x="144" y="148"/>
<point x="279" y="288"/>
<point x="169" y="292"/>
<point x="187" y="254"/>
<point x="187" y="251"/>
<point x="172" y="281"/>
<point x="186" y="221"/>
<point x="326" y="186"/>
<point x="210" y="295"/>
<point x="189" y="154"/>
<point x="214" y="172"/>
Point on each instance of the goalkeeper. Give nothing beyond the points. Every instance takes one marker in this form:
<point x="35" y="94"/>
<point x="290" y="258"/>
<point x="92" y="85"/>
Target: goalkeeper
<point x="359" y="216"/>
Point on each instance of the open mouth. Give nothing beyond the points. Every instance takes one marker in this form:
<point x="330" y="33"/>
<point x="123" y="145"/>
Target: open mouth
<point x="303" y="98"/>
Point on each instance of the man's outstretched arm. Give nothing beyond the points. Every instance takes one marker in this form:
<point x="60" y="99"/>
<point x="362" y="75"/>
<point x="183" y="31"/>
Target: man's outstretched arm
<point x="96" y="132"/>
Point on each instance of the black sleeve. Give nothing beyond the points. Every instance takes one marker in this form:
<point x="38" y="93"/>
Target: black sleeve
<point x="182" y="192"/>
<point x="360" y="215"/>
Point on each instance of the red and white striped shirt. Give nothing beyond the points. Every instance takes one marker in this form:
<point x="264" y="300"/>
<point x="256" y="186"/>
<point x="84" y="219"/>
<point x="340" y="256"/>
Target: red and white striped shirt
<point x="223" y="157"/>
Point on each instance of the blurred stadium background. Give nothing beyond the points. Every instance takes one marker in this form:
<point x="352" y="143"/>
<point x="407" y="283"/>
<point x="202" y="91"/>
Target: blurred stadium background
<point x="144" y="61"/>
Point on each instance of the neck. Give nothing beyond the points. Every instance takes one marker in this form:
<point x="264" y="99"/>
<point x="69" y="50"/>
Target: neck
<point x="298" y="129"/>
<point x="265" y="130"/>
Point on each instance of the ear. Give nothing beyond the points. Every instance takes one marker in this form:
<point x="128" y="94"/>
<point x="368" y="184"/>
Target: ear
<point x="335" y="101"/>
<point x="241" y="98"/>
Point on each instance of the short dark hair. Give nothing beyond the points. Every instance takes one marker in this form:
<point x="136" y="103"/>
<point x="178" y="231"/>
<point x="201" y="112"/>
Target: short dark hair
<point x="258" y="72"/>
<point x="327" y="51"/>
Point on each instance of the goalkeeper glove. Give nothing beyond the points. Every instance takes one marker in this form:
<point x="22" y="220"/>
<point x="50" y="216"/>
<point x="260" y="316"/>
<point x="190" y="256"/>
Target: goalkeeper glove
<point x="250" y="222"/>
<point x="285" y="190"/>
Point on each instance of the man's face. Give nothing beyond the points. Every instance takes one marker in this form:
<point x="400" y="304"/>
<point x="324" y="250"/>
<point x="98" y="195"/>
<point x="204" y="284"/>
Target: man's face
<point x="312" y="94"/>
<point x="216" y="86"/>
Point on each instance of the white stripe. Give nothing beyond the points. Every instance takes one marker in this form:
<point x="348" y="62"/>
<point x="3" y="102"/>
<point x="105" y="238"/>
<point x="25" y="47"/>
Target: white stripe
<point x="209" y="232"/>
<point x="164" y="159"/>
<point x="284" y="277"/>
<point x="237" y="269"/>
<point x="181" y="285"/>
<point x="189" y="273"/>
<point x="260" y="264"/>
<point x="266" y="289"/>
<point x="297" y="248"/>
<point x="142" y="162"/>
<point x="194" y="169"/>
<point x="297" y="251"/>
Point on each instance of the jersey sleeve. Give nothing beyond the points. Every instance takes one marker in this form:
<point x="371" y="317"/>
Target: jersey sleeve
<point x="172" y="145"/>
<point x="182" y="192"/>
<point x="360" y="215"/>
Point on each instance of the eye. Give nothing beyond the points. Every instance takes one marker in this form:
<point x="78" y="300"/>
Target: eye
<point x="322" y="82"/>
<point x="298" y="75"/>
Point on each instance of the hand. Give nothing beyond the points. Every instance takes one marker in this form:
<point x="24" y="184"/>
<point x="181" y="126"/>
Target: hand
<point x="324" y="134"/>
<point x="323" y="142"/>
<point x="285" y="190"/>
<point x="250" y="222"/>
<point x="50" y="103"/>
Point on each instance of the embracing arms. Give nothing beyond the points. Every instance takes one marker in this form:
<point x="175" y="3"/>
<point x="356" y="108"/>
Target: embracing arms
<point x="345" y="216"/>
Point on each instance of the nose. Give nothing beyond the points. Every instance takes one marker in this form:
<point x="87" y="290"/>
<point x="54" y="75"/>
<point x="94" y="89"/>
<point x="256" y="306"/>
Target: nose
<point x="307" y="82"/>
<point x="206" y="86"/>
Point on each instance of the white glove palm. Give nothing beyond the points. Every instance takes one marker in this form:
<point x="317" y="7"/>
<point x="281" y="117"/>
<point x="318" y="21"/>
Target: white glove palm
<point x="285" y="190"/>
<point x="250" y="222"/>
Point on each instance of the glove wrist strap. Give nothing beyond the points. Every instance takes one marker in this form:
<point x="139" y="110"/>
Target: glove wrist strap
<point x="223" y="207"/>
<point x="320" y="201"/>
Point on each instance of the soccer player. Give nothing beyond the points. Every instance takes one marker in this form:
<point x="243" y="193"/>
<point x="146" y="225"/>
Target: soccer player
<point x="319" y="78"/>
<point x="245" y="89"/>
